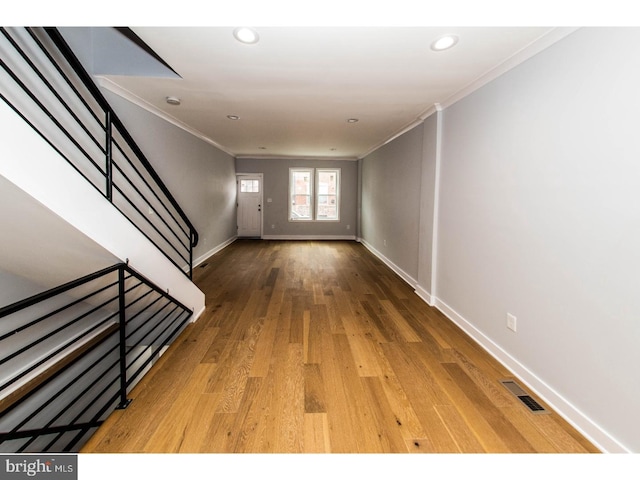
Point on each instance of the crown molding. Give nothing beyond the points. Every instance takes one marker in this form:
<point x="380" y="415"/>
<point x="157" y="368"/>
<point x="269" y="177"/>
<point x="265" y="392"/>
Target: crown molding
<point x="536" y="46"/>
<point x="436" y="107"/>
<point x="398" y="133"/>
<point x="294" y="157"/>
<point x="127" y="95"/>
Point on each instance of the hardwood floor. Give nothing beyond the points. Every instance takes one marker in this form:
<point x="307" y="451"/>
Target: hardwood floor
<point x="319" y="347"/>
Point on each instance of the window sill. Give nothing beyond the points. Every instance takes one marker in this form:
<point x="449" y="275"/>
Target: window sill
<point x="311" y="220"/>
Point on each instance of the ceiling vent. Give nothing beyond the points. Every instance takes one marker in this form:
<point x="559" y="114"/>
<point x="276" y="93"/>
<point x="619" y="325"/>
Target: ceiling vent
<point x="524" y="397"/>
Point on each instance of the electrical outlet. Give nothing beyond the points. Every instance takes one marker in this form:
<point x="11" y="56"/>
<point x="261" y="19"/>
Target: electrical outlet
<point x="384" y="242"/>
<point x="511" y="322"/>
<point x="348" y="227"/>
<point x="273" y="226"/>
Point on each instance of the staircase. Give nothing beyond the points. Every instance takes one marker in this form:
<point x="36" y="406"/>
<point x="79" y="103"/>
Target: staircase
<point x="70" y="353"/>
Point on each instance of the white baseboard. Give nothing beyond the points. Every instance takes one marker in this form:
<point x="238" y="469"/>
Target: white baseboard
<point x="196" y="316"/>
<point x="308" y="237"/>
<point x="593" y="432"/>
<point x="424" y="295"/>
<point x="404" y="275"/>
<point x="214" y="250"/>
<point x="600" y="438"/>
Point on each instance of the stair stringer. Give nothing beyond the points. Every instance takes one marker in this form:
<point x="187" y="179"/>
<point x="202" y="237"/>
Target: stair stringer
<point x="30" y="163"/>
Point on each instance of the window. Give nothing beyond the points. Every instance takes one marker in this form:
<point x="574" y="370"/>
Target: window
<point x="249" y="186"/>
<point x="301" y="190"/>
<point x="327" y="198"/>
<point x="314" y="194"/>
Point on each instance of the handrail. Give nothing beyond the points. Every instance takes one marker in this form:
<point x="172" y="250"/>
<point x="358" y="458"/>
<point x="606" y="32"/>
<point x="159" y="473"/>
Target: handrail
<point x="41" y="297"/>
<point x="64" y="48"/>
<point x="70" y="355"/>
<point x="55" y="83"/>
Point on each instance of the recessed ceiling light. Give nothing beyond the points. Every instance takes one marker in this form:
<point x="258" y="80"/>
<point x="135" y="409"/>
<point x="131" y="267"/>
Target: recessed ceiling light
<point x="352" y="120"/>
<point x="173" y="100"/>
<point x="246" y="35"/>
<point x="233" y="117"/>
<point x="445" y="42"/>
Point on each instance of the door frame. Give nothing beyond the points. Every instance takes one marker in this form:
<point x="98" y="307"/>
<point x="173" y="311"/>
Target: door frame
<point x="239" y="176"/>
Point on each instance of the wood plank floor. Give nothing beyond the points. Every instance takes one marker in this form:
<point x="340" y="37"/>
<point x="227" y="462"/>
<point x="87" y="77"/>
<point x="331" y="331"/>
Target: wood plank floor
<point x="319" y="347"/>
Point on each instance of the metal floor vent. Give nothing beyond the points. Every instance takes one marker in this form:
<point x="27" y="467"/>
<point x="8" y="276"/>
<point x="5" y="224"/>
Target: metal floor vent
<point x="204" y="265"/>
<point x="524" y="397"/>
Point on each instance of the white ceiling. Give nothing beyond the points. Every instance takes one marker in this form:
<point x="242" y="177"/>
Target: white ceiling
<point x="295" y="89"/>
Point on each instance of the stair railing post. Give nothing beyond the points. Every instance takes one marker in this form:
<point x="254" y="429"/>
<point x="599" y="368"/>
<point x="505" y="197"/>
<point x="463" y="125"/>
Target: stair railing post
<point x="109" y="156"/>
<point x="190" y="254"/>
<point x="124" y="402"/>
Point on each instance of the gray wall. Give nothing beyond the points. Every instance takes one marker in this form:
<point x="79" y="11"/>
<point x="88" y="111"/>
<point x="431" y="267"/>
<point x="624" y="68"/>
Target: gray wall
<point x="540" y="217"/>
<point x="276" y="186"/>
<point x="14" y="288"/>
<point x="200" y="176"/>
<point x="391" y="199"/>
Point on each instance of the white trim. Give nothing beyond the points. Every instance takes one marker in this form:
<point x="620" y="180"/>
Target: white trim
<point x="109" y="85"/>
<point x="404" y="275"/>
<point x="436" y="107"/>
<point x="436" y="205"/>
<point x="200" y="260"/>
<point x="517" y="58"/>
<point x="400" y="132"/>
<point x="254" y="175"/>
<point x="291" y="189"/>
<point x="587" y="427"/>
<point x="196" y="316"/>
<point x="127" y="95"/>
<point x="309" y="237"/>
<point x="213" y="251"/>
<point x="535" y="47"/>
<point x="338" y="194"/>
<point x="424" y="295"/>
<point x="294" y="157"/>
<point x="95" y="217"/>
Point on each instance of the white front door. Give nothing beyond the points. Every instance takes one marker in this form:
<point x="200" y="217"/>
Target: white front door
<point x="249" y="205"/>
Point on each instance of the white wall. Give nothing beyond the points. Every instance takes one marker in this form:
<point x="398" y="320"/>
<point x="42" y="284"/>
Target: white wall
<point x="28" y="162"/>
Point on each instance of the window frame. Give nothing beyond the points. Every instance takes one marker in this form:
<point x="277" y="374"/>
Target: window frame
<point x="243" y="184"/>
<point x="318" y="194"/>
<point x="314" y="194"/>
<point x="292" y="194"/>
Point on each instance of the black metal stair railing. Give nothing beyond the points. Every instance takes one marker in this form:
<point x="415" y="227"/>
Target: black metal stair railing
<point x="71" y="355"/>
<point x="43" y="81"/>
